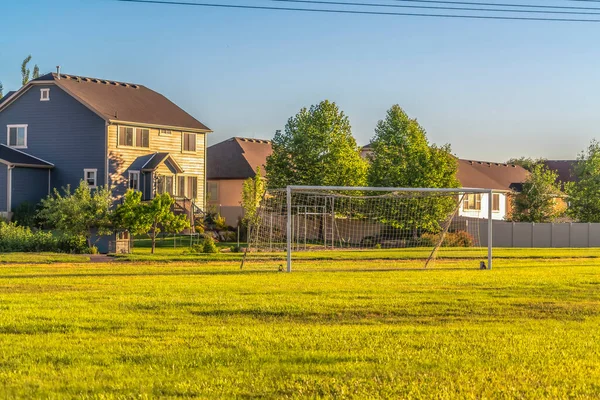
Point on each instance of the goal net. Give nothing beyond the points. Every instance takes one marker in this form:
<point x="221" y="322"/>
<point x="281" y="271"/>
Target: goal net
<point x="408" y="223"/>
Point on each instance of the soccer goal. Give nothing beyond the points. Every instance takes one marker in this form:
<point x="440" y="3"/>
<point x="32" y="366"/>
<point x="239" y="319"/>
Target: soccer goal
<point x="422" y="223"/>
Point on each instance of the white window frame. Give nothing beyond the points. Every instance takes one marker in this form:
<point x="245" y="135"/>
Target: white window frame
<point x="165" y="132"/>
<point x="499" y="199"/>
<point x="85" y="173"/>
<point x="45" y="94"/>
<point x="138" y="180"/>
<point x="134" y="139"/>
<point x="8" y="127"/>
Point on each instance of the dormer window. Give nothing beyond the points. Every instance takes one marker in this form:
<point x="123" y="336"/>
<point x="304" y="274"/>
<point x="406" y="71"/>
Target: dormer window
<point x="44" y="94"/>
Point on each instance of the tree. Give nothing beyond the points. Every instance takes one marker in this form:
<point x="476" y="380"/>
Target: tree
<point x="26" y="73"/>
<point x="316" y="148"/>
<point x="253" y="191"/>
<point x="584" y="194"/>
<point x="1" y="90"/>
<point x="402" y="156"/>
<point x="78" y="213"/>
<point x="526" y="162"/>
<point x="537" y="201"/>
<point x="159" y="216"/>
<point x="129" y="214"/>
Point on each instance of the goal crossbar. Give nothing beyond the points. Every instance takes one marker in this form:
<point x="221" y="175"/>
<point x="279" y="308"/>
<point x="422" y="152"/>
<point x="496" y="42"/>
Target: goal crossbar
<point x="292" y="188"/>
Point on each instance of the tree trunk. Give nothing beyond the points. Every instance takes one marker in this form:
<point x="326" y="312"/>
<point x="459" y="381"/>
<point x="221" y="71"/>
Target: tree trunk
<point x="153" y="242"/>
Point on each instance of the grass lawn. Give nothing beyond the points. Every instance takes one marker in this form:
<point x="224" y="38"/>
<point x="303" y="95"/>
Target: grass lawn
<point x="333" y="328"/>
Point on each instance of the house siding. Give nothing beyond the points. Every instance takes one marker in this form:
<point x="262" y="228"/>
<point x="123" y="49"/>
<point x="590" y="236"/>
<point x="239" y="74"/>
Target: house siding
<point x="61" y="131"/>
<point x="28" y="184"/>
<point x="121" y="158"/>
<point x="3" y="182"/>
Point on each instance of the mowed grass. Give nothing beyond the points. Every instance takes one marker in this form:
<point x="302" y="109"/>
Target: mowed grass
<point x="335" y="328"/>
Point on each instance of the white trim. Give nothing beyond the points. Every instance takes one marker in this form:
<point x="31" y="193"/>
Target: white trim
<point x="157" y="126"/>
<point x="27" y="154"/>
<point x="134" y="172"/>
<point x="95" y="171"/>
<point x="9" y="188"/>
<point x="45" y="94"/>
<point x="8" y="127"/>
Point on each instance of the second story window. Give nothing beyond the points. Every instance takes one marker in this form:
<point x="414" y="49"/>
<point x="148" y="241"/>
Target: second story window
<point x="17" y="136"/>
<point x="44" y="94"/>
<point x="164" y="132"/>
<point x="189" y="142"/>
<point x="134" y="137"/>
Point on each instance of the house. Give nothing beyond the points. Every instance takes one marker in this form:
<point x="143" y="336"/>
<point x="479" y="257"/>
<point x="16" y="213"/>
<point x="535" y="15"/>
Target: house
<point x="63" y="128"/>
<point x="229" y="164"/>
<point x="565" y="169"/>
<point x="504" y="179"/>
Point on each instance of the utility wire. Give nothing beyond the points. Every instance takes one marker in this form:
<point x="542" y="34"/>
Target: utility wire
<point x="357" y="12"/>
<point x="495" y="10"/>
<point x="477" y="3"/>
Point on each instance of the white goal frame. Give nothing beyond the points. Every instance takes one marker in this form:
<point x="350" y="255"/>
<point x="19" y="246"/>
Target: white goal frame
<point x="291" y="188"/>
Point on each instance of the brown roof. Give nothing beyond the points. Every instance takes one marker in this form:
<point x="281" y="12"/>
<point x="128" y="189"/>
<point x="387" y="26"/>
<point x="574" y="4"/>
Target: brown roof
<point x="489" y="175"/>
<point x="237" y="158"/>
<point x="119" y="101"/>
<point x="564" y="169"/>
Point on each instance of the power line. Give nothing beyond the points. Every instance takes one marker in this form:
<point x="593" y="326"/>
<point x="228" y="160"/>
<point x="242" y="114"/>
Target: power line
<point x="471" y="3"/>
<point x="496" y="10"/>
<point x="359" y="12"/>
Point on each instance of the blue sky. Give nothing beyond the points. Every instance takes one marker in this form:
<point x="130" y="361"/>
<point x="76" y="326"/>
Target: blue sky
<point x="492" y="89"/>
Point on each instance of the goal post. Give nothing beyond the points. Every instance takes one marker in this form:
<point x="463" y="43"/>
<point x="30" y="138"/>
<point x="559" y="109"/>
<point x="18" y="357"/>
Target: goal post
<point x="423" y="221"/>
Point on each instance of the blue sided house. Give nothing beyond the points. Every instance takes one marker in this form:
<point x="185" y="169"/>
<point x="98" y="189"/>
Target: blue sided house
<point x="61" y="129"/>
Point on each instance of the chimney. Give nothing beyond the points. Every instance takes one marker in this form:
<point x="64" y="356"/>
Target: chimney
<point x="58" y="71"/>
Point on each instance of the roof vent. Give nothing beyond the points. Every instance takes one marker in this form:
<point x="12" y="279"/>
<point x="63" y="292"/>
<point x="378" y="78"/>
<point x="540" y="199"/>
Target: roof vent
<point x="135" y="86"/>
<point x="58" y="71"/>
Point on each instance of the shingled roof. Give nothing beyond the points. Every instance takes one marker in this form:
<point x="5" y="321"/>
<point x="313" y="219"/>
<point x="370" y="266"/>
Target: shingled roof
<point x="17" y="158"/>
<point x="237" y="158"/>
<point x="489" y="175"/>
<point x="564" y="169"/>
<point x="123" y="102"/>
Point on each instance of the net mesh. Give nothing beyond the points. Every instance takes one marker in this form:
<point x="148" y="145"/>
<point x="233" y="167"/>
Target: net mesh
<point x="426" y="224"/>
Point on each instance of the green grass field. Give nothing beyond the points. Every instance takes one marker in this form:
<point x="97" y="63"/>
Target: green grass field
<point x="344" y="328"/>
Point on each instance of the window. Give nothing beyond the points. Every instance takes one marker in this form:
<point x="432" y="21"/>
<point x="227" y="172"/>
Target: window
<point x="90" y="176"/>
<point x="496" y="202"/>
<point x="189" y="142"/>
<point x="181" y="186"/>
<point x="213" y="191"/>
<point x="134" y="137"/>
<point x="164" y="132"/>
<point x="134" y="180"/>
<point x="44" y="94"/>
<point x="472" y="201"/>
<point x="192" y="187"/>
<point x="165" y="185"/>
<point x="17" y="136"/>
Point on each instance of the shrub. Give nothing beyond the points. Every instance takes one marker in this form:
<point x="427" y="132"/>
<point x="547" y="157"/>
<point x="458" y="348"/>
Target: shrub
<point x="24" y="214"/>
<point x="209" y="246"/>
<point x="451" y="239"/>
<point x="235" y="249"/>
<point x="21" y="238"/>
<point x="72" y="244"/>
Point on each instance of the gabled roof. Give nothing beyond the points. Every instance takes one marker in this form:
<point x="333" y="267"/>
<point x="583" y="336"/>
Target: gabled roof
<point x="157" y="159"/>
<point x="237" y="158"/>
<point x="17" y="158"/>
<point x="121" y="102"/>
<point x="489" y="175"/>
<point x="564" y="169"/>
<point x="6" y="97"/>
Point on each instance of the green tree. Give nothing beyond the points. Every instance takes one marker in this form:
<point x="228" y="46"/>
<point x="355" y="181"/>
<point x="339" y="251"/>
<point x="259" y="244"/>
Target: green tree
<point x="403" y="157"/>
<point x="584" y="194"/>
<point x="26" y="73"/>
<point x="129" y="215"/>
<point x="526" y="162"/>
<point x="316" y="148"/>
<point x="159" y="216"/>
<point x="537" y="201"/>
<point x="253" y="191"/>
<point x="79" y="213"/>
<point x="1" y="90"/>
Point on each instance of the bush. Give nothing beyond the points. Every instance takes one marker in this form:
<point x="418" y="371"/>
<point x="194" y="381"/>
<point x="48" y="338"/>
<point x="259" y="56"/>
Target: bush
<point x="24" y="214"/>
<point x="207" y="246"/>
<point x="235" y="249"/>
<point x="451" y="239"/>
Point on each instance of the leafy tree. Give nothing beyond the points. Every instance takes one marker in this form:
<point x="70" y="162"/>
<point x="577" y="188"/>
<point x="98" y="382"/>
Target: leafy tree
<point x="78" y="213"/>
<point x="403" y="157"/>
<point x="26" y="73"/>
<point x="584" y="195"/>
<point x="129" y="214"/>
<point x="253" y="191"/>
<point x="159" y="216"/>
<point x="316" y="148"/>
<point x="526" y="162"/>
<point x="537" y="201"/>
<point x="1" y="90"/>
